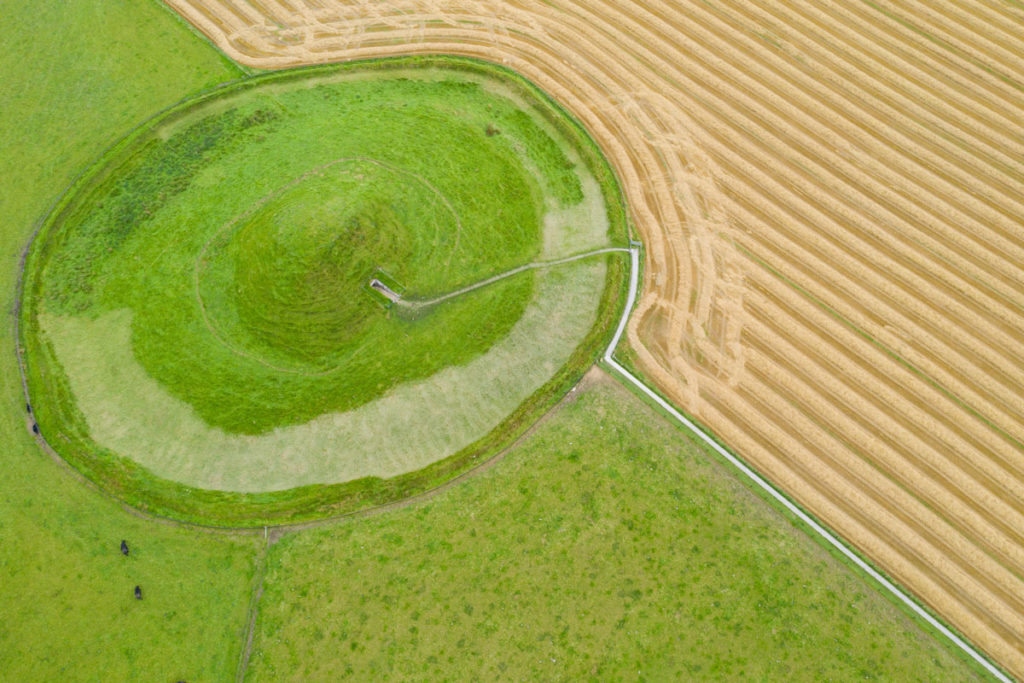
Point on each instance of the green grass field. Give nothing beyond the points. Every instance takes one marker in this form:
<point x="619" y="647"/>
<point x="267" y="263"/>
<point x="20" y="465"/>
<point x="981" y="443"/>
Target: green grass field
<point x="611" y="550"/>
<point x="605" y="547"/>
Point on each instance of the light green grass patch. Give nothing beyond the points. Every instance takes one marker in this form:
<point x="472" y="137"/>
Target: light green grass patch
<point x="76" y="76"/>
<point x="604" y="547"/>
<point x="67" y="597"/>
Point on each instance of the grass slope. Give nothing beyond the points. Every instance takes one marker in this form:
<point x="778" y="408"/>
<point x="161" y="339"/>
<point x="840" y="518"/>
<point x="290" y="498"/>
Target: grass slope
<point x="76" y="76"/>
<point x="226" y="192"/>
<point x="604" y="547"/>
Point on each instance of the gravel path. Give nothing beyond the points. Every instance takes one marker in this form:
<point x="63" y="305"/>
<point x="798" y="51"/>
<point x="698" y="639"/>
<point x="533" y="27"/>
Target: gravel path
<point x="423" y="303"/>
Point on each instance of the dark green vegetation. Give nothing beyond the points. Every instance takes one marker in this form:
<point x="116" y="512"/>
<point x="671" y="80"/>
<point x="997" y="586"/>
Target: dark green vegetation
<point x="604" y="547"/>
<point x="240" y="231"/>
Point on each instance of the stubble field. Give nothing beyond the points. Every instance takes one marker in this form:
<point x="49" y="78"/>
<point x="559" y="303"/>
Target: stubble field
<point x="831" y="197"/>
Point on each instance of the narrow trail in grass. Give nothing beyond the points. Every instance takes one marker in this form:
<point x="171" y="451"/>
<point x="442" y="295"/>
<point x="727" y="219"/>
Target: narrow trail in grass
<point x="423" y="303"/>
<point x="254" y="602"/>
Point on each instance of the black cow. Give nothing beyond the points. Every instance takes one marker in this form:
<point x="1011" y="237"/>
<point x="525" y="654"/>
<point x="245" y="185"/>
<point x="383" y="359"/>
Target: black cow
<point x="138" y="592"/>
<point x="124" y="547"/>
<point x="28" y="407"/>
<point x="35" y="429"/>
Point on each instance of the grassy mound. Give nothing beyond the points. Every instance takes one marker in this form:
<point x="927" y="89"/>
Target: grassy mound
<point x="66" y="583"/>
<point x="298" y="265"/>
<point x="198" y="310"/>
<point x="286" y="285"/>
<point x="245" y="236"/>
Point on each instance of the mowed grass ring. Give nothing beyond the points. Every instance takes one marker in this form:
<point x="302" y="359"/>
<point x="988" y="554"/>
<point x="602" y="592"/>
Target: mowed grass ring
<point x="220" y="321"/>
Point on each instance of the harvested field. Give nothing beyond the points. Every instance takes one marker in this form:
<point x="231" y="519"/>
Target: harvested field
<point x="831" y="197"/>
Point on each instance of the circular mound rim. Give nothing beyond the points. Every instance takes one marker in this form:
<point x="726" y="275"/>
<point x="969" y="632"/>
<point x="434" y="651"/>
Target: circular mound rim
<point x="133" y="486"/>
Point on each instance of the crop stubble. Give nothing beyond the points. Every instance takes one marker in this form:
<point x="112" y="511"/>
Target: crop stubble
<point x="831" y="198"/>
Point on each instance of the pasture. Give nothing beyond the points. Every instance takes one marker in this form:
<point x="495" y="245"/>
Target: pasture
<point x="66" y="606"/>
<point x="605" y="546"/>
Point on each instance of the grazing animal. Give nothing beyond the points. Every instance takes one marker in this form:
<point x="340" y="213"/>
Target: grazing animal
<point x="124" y="547"/>
<point x="35" y="428"/>
<point x="28" y="407"/>
<point x="138" y="592"/>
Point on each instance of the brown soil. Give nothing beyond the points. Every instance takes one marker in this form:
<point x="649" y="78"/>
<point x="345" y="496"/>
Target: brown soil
<point x="831" y="197"/>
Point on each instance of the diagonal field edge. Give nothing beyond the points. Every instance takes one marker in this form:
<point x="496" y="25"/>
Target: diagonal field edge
<point x="811" y="522"/>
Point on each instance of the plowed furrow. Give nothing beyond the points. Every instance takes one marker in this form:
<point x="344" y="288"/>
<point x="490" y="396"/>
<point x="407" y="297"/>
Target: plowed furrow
<point x="918" y="402"/>
<point x="908" y="74"/>
<point x="933" y="474"/>
<point x="984" y="89"/>
<point x="986" y="43"/>
<point x="763" y="84"/>
<point x="969" y="155"/>
<point x="1001" y="11"/>
<point x="972" y="330"/>
<point x="204" y="17"/>
<point x="1012" y="270"/>
<point x="930" y="484"/>
<point x="864" y="309"/>
<point x="866" y="520"/>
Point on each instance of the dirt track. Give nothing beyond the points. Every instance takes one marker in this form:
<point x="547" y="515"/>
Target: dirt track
<point x="831" y="196"/>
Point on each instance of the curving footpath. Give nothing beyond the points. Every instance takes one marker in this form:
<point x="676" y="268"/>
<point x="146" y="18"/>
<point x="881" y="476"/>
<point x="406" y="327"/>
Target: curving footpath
<point x="424" y="303"/>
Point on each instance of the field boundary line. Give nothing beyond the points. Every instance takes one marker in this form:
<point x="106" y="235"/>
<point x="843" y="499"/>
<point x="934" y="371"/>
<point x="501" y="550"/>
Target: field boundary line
<point x="811" y="522"/>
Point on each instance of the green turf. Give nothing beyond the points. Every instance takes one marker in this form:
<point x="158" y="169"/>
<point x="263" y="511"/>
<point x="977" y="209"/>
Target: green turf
<point x="402" y="431"/>
<point x="76" y="76"/>
<point x="605" y="547"/>
<point x="328" y="235"/>
<point x="282" y="206"/>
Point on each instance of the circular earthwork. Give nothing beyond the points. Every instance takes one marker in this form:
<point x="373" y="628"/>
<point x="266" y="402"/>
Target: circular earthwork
<point x="208" y="319"/>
